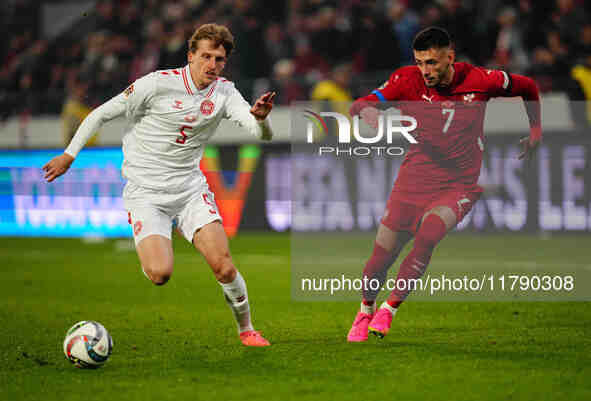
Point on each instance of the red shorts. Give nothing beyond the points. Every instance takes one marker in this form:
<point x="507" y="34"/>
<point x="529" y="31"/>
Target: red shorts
<point x="405" y="210"/>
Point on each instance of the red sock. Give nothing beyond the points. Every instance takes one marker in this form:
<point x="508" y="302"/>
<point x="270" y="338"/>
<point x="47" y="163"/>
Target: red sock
<point x="432" y="230"/>
<point x="376" y="268"/>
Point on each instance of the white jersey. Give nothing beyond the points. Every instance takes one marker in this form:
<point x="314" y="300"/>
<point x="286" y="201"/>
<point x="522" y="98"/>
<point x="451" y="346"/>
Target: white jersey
<point x="170" y="122"/>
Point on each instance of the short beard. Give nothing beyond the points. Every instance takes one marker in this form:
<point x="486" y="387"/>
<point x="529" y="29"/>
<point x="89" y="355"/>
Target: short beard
<point x="444" y="75"/>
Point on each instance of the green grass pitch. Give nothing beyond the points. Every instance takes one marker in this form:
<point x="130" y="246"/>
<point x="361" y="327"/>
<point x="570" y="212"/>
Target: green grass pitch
<point x="178" y="342"/>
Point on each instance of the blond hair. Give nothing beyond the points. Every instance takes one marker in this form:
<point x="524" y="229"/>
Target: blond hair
<point x="219" y="34"/>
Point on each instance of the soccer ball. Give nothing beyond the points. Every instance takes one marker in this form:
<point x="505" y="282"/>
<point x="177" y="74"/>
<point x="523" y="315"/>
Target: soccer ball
<point x="88" y="344"/>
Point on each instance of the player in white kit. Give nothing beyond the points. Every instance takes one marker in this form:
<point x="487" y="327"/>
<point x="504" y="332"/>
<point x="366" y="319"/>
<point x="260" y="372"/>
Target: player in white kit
<point x="172" y="114"/>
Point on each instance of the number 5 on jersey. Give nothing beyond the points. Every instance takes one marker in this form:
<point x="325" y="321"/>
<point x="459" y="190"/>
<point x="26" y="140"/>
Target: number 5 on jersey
<point x="183" y="137"/>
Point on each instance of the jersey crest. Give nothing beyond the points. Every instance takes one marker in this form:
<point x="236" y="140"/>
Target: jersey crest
<point x="207" y="107"/>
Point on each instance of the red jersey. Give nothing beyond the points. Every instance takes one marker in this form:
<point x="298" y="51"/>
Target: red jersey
<point x="450" y="122"/>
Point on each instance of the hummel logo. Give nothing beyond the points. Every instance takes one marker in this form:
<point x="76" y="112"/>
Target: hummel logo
<point x="428" y="98"/>
<point x="177" y="105"/>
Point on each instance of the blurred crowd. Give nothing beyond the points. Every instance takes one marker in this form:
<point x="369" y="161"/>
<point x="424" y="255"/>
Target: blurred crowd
<point x="300" y="48"/>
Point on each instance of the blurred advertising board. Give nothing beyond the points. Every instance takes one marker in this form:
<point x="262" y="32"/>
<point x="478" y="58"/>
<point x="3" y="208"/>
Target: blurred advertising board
<point x="254" y="186"/>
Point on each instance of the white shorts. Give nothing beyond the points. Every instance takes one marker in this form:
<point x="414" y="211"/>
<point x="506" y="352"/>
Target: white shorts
<point x="154" y="212"/>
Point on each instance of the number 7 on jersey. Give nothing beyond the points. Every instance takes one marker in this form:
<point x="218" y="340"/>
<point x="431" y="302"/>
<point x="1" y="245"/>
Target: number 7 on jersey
<point x="449" y="118"/>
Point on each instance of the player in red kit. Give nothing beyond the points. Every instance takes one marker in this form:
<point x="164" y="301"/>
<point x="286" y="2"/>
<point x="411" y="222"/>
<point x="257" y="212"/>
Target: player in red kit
<point x="437" y="183"/>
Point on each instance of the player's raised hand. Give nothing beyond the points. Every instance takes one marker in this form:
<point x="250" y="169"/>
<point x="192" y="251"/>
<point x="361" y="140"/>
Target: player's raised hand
<point x="529" y="146"/>
<point x="262" y="107"/>
<point x="370" y="115"/>
<point x="57" y="166"/>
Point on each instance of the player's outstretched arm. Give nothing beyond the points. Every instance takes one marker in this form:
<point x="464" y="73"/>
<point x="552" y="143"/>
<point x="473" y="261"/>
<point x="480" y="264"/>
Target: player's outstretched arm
<point x="107" y="111"/>
<point x="368" y="106"/>
<point x="527" y="89"/>
<point x="57" y="166"/>
<point x="131" y="101"/>
<point x="260" y="110"/>
<point x="253" y="119"/>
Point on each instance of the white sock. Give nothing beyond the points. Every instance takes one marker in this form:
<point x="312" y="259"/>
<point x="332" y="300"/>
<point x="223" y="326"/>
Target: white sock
<point x="368" y="309"/>
<point x="237" y="298"/>
<point x="387" y="306"/>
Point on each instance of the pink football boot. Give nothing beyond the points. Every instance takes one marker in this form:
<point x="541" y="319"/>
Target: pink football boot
<point x="253" y="339"/>
<point x="358" y="332"/>
<point x="380" y="324"/>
